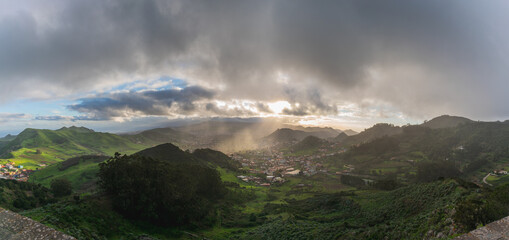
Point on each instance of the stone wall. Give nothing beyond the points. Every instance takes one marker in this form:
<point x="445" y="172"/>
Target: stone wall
<point x="16" y="227"/>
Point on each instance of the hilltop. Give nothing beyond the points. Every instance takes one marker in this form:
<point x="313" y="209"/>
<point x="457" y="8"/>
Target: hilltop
<point x="378" y="130"/>
<point x="284" y="136"/>
<point x="173" y="154"/>
<point x="350" y="132"/>
<point x="169" y="153"/>
<point x="340" y="137"/>
<point x="446" y="121"/>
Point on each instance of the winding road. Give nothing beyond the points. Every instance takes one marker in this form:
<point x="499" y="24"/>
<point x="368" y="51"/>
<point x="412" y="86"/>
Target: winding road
<point x="484" y="179"/>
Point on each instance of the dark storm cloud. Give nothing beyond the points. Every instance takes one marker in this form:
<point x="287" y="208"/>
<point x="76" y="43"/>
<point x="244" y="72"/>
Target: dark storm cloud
<point x="128" y="104"/>
<point x="89" y="40"/>
<point x="263" y="108"/>
<point x="299" y="111"/>
<point x="422" y="57"/>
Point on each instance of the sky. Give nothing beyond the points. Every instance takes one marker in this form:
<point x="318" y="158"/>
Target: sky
<point x="123" y="65"/>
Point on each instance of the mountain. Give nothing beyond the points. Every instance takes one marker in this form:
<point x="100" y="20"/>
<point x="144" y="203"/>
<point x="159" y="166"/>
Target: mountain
<point x="309" y="143"/>
<point x="163" y="135"/>
<point x="286" y="135"/>
<point x="33" y="147"/>
<point x="171" y="153"/>
<point x="168" y="152"/>
<point x="446" y="121"/>
<point x="340" y="137"/>
<point x="321" y="132"/>
<point x="218" y="158"/>
<point x="350" y="132"/>
<point x="7" y="138"/>
<point x="377" y="131"/>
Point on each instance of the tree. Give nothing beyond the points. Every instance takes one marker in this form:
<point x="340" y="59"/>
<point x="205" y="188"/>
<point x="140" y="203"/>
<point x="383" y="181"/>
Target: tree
<point x="61" y="187"/>
<point x="161" y="192"/>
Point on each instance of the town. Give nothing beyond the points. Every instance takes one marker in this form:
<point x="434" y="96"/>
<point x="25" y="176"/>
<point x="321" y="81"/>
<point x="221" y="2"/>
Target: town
<point x="267" y="166"/>
<point x="11" y="171"/>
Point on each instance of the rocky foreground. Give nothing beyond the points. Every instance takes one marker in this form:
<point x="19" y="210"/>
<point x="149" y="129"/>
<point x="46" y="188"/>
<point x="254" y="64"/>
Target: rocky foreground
<point x="498" y="230"/>
<point x="16" y="227"/>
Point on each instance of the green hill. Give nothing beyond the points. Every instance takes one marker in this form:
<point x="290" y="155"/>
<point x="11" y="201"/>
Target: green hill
<point x="321" y="132"/>
<point x="474" y="149"/>
<point x="173" y="154"/>
<point x="34" y="147"/>
<point x="308" y="143"/>
<point x="286" y="136"/>
<point x="7" y="138"/>
<point x="340" y="137"/>
<point x="218" y="158"/>
<point x="82" y="171"/>
<point x="445" y="121"/>
<point x="163" y="135"/>
<point x="377" y="131"/>
<point x="350" y="132"/>
<point x="168" y="152"/>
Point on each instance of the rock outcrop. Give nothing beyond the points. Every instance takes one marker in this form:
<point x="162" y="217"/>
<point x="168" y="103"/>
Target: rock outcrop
<point x="498" y="230"/>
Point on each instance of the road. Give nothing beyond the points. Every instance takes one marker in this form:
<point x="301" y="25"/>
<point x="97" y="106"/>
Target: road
<point x="484" y="179"/>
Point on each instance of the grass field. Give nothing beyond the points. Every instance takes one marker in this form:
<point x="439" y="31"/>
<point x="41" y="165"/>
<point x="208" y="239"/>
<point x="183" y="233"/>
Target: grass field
<point x="81" y="176"/>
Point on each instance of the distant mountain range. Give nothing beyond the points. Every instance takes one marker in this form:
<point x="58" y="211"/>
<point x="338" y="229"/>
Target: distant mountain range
<point x="64" y="143"/>
<point x="287" y="135"/>
<point x="226" y="136"/>
<point x="384" y="129"/>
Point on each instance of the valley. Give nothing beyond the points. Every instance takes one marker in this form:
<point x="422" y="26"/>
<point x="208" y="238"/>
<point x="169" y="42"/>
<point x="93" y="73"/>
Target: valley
<point x="293" y="183"/>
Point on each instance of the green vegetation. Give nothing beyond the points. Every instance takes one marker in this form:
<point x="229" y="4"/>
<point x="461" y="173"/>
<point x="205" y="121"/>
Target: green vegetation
<point x="80" y="171"/>
<point x="61" y="187"/>
<point x="93" y="218"/>
<point x="409" y="182"/>
<point x="216" y="158"/>
<point x="34" y="148"/>
<point x="161" y="192"/>
<point x="405" y="213"/>
<point x="446" y="121"/>
<point x="15" y="195"/>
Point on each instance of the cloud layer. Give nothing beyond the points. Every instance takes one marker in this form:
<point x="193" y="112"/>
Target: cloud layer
<point x="145" y="103"/>
<point x="418" y="58"/>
